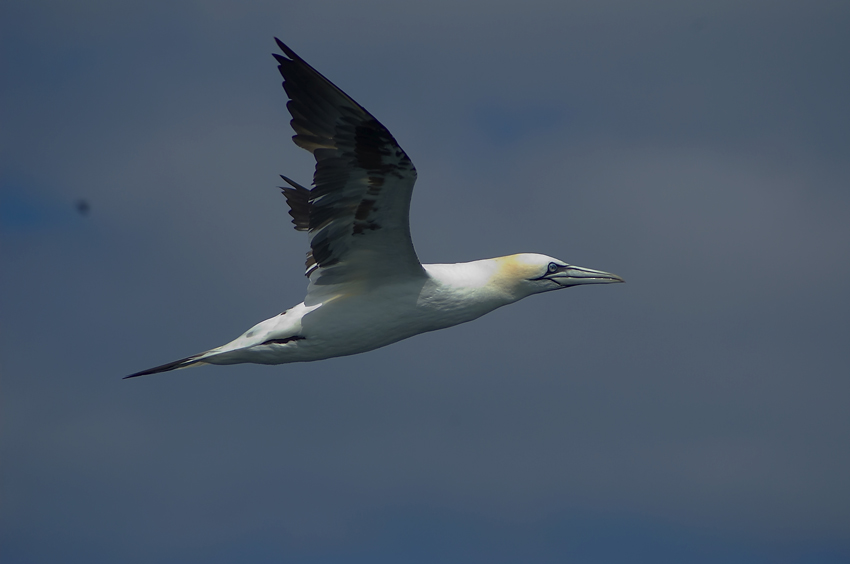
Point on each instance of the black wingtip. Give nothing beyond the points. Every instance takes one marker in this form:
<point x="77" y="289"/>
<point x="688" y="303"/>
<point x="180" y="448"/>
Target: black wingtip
<point x="286" y="50"/>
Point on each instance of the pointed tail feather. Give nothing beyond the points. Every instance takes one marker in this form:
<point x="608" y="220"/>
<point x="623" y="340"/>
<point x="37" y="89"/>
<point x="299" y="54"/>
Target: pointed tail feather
<point x="177" y="364"/>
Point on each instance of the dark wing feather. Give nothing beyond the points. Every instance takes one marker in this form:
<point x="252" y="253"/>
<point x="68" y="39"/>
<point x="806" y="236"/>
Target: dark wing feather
<point x="298" y="199"/>
<point x="357" y="211"/>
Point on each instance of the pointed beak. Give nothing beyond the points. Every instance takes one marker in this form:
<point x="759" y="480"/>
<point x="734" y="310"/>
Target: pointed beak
<point x="577" y="275"/>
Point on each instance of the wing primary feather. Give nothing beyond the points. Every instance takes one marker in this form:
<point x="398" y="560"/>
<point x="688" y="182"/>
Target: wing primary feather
<point x="298" y="198"/>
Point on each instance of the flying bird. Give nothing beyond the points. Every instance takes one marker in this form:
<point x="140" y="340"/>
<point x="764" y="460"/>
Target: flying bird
<point x="367" y="288"/>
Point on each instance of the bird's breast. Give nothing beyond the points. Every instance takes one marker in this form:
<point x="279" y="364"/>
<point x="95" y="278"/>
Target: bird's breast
<point x="366" y="320"/>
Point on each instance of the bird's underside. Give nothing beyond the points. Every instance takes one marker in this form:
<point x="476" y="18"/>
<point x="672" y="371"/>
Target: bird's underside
<point x="367" y="288"/>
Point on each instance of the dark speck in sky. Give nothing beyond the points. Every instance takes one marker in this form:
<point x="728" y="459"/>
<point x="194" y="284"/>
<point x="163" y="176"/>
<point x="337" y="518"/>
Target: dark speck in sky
<point x="83" y="206"/>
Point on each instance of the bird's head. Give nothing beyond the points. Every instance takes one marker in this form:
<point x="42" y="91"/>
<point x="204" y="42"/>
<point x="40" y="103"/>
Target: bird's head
<point x="530" y="273"/>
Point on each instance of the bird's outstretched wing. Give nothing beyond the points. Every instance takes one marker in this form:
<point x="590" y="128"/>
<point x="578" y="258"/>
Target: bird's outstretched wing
<point x="357" y="211"/>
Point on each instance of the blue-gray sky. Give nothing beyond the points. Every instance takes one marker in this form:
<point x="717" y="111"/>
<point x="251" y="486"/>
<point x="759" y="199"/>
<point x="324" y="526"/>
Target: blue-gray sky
<point x="698" y="413"/>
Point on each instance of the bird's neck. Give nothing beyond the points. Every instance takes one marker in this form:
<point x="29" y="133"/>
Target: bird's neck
<point x="487" y="282"/>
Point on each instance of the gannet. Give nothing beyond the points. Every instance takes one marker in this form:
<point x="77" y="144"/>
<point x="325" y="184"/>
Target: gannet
<point x="367" y="288"/>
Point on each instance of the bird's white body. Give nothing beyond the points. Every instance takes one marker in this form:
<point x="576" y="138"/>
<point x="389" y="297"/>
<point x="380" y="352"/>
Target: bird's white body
<point x="362" y="316"/>
<point x="367" y="287"/>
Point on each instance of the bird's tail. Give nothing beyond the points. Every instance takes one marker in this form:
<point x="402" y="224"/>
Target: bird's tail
<point x="176" y="365"/>
<point x="231" y="353"/>
<point x="246" y="348"/>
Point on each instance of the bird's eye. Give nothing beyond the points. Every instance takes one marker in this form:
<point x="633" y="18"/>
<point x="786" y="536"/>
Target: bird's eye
<point x="553" y="268"/>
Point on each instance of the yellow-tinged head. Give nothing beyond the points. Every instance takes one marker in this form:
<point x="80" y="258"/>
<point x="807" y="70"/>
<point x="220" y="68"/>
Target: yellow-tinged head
<point x="529" y="273"/>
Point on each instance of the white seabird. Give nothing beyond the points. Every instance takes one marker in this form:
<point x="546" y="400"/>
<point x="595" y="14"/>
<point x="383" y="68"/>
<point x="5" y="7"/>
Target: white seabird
<point x="367" y="287"/>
